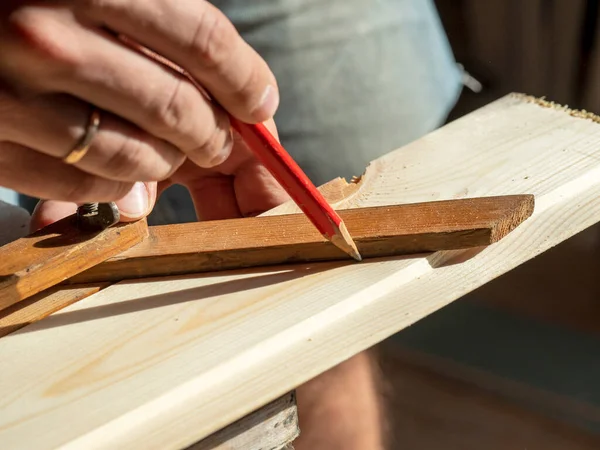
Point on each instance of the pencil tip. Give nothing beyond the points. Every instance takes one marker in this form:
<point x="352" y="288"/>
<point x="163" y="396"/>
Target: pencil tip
<point x="343" y="240"/>
<point x="356" y="256"/>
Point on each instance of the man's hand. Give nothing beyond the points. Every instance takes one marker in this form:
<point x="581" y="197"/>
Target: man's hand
<point x="238" y="187"/>
<point x="61" y="58"/>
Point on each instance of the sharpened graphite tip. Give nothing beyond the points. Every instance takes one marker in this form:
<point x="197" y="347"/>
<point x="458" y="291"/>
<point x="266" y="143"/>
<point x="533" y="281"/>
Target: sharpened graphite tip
<point x="343" y="241"/>
<point x="356" y="255"/>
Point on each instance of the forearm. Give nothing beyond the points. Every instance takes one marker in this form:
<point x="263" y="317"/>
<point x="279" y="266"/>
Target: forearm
<point x="343" y="408"/>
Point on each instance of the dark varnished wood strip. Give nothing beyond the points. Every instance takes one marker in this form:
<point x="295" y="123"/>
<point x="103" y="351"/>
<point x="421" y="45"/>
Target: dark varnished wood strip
<point x="43" y="259"/>
<point x="378" y="231"/>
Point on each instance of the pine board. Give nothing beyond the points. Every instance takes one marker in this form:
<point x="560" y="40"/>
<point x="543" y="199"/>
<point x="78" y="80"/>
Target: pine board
<point x="42" y="305"/>
<point x="163" y="363"/>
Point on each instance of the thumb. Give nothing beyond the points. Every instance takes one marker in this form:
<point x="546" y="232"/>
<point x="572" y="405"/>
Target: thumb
<point x="135" y="205"/>
<point x="138" y="202"/>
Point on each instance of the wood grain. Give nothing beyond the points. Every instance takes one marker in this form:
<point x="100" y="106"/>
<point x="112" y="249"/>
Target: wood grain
<point x="54" y="299"/>
<point x="57" y="252"/>
<point x="164" y="363"/>
<point x="43" y="304"/>
<point x="274" y="426"/>
<point x="260" y="241"/>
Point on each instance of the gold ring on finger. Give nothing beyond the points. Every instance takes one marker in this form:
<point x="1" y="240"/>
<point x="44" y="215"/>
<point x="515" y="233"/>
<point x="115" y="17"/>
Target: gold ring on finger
<point x="83" y="145"/>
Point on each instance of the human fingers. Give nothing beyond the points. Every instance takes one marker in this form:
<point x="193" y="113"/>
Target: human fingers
<point x="250" y="192"/>
<point x="119" y="150"/>
<point x="242" y="185"/>
<point x="131" y="207"/>
<point x="212" y="192"/>
<point x="58" y="53"/>
<point x="214" y="197"/>
<point x="256" y="190"/>
<point x="38" y="175"/>
<point x="204" y="42"/>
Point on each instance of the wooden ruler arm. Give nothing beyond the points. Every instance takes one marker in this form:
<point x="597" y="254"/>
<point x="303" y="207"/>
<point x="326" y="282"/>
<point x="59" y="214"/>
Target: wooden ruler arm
<point x="260" y="241"/>
<point x="62" y="253"/>
<point x="57" y="252"/>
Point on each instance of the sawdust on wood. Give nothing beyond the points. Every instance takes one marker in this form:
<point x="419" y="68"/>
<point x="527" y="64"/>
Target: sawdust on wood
<point x="541" y="101"/>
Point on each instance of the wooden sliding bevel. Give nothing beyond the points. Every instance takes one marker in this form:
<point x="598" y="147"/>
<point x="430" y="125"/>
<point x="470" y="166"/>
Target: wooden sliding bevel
<point x="378" y="232"/>
<point x="57" y="252"/>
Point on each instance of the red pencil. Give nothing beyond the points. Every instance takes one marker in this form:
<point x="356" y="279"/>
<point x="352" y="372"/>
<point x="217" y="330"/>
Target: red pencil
<point x="291" y="177"/>
<point x="281" y="165"/>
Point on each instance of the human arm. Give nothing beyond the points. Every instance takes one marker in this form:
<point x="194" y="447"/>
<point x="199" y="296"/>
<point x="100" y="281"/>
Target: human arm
<point x="59" y="59"/>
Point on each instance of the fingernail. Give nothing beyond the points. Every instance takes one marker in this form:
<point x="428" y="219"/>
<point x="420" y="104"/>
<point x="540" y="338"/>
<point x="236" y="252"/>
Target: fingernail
<point x="135" y="203"/>
<point x="268" y="104"/>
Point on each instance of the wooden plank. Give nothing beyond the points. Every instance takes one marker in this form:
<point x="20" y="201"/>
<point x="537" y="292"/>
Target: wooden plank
<point x="43" y="304"/>
<point x="274" y="426"/>
<point x="54" y="299"/>
<point x="163" y="363"/>
<point x="260" y="241"/>
<point x="57" y="252"/>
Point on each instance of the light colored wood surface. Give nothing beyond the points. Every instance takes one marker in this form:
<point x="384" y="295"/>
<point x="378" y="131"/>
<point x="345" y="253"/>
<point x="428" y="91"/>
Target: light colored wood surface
<point x="260" y="241"/>
<point x="272" y="427"/>
<point x="200" y="247"/>
<point x="163" y="363"/>
<point x="51" y="255"/>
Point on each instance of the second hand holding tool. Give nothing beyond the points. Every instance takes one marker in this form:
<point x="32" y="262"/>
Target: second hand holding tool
<point x="281" y="165"/>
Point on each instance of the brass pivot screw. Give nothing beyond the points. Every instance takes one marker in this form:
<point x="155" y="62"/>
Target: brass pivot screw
<point x="95" y="217"/>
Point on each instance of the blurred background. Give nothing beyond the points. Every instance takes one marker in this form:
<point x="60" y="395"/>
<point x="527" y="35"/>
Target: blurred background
<point x="515" y="364"/>
<point x="545" y="48"/>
